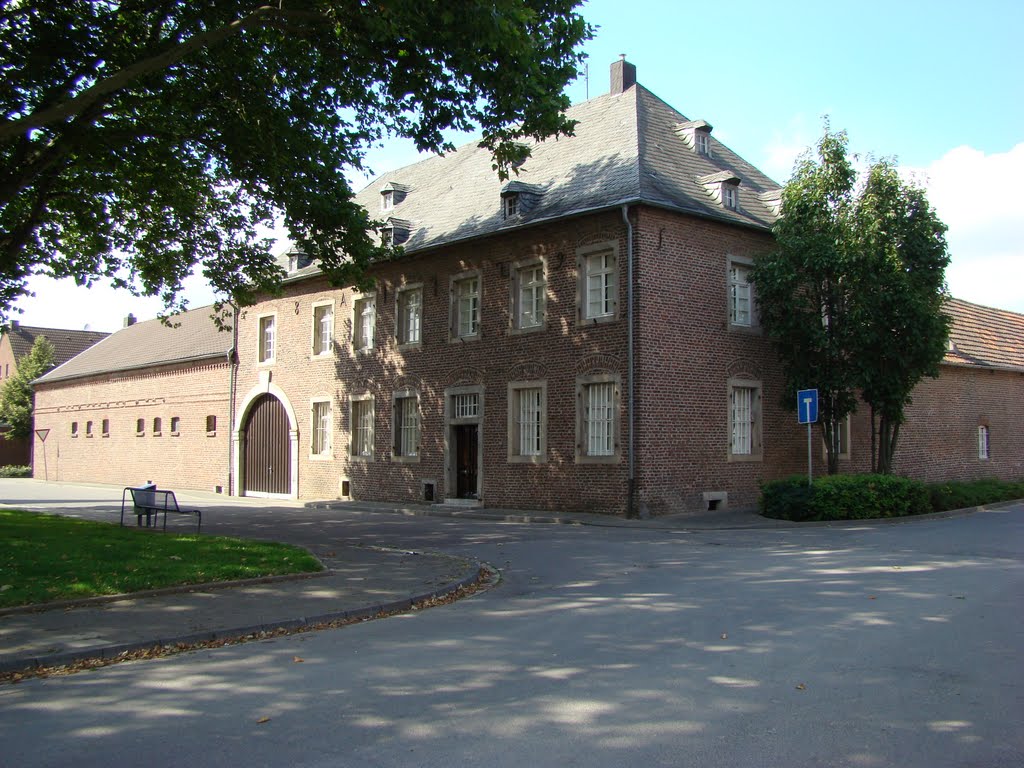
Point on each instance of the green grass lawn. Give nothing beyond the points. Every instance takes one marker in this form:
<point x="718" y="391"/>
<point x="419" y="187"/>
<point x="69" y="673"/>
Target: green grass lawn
<point x="48" y="557"/>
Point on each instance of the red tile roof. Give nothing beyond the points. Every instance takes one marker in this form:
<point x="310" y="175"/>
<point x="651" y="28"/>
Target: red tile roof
<point x="985" y="337"/>
<point x="66" y="343"/>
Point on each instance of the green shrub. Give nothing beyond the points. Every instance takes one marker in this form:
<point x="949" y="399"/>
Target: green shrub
<point x="973" y="493"/>
<point x="844" y="497"/>
<point x="15" y="470"/>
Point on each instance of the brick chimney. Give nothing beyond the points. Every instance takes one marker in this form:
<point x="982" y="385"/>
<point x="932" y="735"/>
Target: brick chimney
<point x="623" y="75"/>
<point x="130" y="320"/>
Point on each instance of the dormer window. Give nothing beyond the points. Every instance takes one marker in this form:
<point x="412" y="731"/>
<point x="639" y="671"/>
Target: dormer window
<point x="511" y="205"/>
<point x="297" y="261"/>
<point x="730" y="196"/>
<point x="387" y="199"/>
<point x="392" y="194"/>
<point x="387" y="236"/>
<point x="696" y="134"/>
<point x="395" y="231"/>
<point x="703" y="142"/>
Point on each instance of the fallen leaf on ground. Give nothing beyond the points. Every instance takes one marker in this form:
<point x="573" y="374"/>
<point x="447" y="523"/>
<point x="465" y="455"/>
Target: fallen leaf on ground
<point x="725" y="636"/>
<point x="263" y="720"/>
<point x="801" y="687"/>
<point x="871" y="597"/>
<point x="298" y="659"/>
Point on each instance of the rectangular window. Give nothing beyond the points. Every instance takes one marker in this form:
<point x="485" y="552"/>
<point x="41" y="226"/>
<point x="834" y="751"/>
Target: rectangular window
<point x="530" y="294"/>
<point x="321" y="428"/>
<point x="106" y="428"/>
<point x="387" y="200"/>
<point x="323" y="329"/>
<point x="744" y="420"/>
<point x="364" y="321"/>
<point x="362" y="428"/>
<point x="175" y="425"/>
<point x="467" y="406"/>
<point x="740" y="295"/>
<point x="74" y="429"/>
<point x="598" y="419"/>
<point x="467" y="307"/>
<point x="843" y="435"/>
<point x="410" y="313"/>
<point x="983" y="442"/>
<point x="407" y="427"/>
<point x="511" y="205"/>
<point x="140" y="427"/>
<point x="730" y="196"/>
<point x="266" y="349"/>
<point x="211" y="425"/>
<point x="157" y="426"/>
<point x="599" y="289"/>
<point x="527" y="416"/>
<point x="88" y="429"/>
<point x="703" y="142"/>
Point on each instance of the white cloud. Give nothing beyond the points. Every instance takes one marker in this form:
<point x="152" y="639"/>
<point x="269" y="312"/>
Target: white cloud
<point x="976" y="196"/>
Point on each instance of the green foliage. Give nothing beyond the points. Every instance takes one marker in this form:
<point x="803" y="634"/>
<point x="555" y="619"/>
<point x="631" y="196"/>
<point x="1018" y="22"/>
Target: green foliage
<point x="852" y="295"/>
<point x="16" y="392"/>
<point x="15" y="470"/>
<point x="973" y="493"/>
<point x="48" y="557"/>
<point x="844" y="497"/>
<point x="138" y="140"/>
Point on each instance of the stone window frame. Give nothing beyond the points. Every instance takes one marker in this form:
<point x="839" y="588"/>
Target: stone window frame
<point x="453" y="312"/>
<point x="745" y="263"/>
<point x="515" y="284"/>
<point x="396" y="436"/>
<point x="582" y="383"/>
<point x="450" y="420"/>
<point x="405" y="291"/>
<point x="582" y="304"/>
<point x="328" y="453"/>
<point x="352" y="400"/>
<point x="316" y="337"/>
<point x="358" y="301"/>
<point x="262" y="358"/>
<point x="846" y="438"/>
<point x="756" y="453"/>
<point x="514" y="442"/>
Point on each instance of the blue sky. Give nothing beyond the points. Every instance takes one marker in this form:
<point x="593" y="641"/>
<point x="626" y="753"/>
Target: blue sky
<point x="939" y="86"/>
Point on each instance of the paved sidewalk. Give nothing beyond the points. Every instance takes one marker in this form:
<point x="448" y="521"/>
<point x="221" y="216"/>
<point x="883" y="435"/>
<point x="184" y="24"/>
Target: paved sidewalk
<point x="360" y="582"/>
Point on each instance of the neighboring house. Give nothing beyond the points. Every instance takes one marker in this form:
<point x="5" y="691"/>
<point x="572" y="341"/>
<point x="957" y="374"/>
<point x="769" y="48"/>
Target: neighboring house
<point x="15" y="342"/>
<point x="150" y="402"/>
<point x="583" y="336"/>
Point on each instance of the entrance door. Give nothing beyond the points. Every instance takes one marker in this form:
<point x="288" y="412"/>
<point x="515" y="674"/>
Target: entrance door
<point x="267" y="461"/>
<point x="465" y="460"/>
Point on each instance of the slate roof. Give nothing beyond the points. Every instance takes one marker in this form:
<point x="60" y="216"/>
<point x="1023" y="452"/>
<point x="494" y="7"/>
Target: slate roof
<point x="66" y="343"/>
<point x="626" y="149"/>
<point x="985" y="337"/>
<point x="149" y="343"/>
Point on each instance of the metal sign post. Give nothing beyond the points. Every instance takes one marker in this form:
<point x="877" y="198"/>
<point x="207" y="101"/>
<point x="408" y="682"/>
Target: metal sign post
<point x="807" y="413"/>
<point x="41" y="434"/>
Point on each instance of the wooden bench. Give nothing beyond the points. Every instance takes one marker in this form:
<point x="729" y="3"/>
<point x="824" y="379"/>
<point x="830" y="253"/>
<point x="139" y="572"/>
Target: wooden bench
<point x="150" y="501"/>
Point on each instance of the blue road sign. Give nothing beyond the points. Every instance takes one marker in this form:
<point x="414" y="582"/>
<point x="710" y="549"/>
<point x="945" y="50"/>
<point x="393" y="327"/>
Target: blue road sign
<point x="807" y="406"/>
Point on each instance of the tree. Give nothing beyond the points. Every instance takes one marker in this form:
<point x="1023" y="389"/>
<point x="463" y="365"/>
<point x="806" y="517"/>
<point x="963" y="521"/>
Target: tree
<point x="851" y="296"/>
<point x="16" y="392"/>
<point x="139" y="139"/>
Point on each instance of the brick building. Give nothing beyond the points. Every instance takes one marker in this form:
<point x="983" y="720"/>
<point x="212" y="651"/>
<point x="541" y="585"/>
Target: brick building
<point x="16" y="341"/>
<point x="150" y="402"/>
<point x="583" y="336"/>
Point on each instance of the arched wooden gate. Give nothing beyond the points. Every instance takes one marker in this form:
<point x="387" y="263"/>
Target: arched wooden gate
<point x="268" y="464"/>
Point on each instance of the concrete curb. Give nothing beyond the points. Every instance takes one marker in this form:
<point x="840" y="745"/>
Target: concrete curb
<point x="108" y="652"/>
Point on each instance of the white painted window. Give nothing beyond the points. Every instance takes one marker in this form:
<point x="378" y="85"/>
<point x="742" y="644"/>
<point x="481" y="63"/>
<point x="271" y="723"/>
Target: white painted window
<point x="599" y="419"/>
<point x="702" y="142"/>
<point x="467" y="307"/>
<point x="364" y="322"/>
<point x="410" y="315"/>
<point x="983" y="442"/>
<point x="599" y="285"/>
<point x="730" y="196"/>
<point x="322" y="421"/>
<point x="742" y="420"/>
<point x="529" y="425"/>
<point x="323" y="329"/>
<point x="387" y="200"/>
<point x="267" y="338"/>
<point x="466" y="405"/>
<point x="740" y="295"/>
<point x="407" y="427"/>
<point x="511" y="205"/>
<point x="531" y="290"/>
<point x="362" y="428"/>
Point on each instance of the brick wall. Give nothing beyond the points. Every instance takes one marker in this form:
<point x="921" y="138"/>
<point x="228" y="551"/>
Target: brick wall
<point x="190" y="459"/>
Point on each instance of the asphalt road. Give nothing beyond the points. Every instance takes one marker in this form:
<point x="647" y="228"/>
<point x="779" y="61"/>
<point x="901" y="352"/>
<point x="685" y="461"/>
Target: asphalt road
<point x="861" y="646"/>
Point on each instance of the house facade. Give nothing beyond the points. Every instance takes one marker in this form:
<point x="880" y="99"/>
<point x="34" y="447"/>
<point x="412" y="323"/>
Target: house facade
<point x="16" y="342"/>
<point x="581" y="337"/>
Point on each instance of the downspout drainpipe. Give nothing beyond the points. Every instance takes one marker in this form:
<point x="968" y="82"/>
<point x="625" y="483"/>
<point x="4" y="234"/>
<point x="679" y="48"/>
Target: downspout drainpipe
<point x="232" y="383"/>
<point x="631" y="478"/>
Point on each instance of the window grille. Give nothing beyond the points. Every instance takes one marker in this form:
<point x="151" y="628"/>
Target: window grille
<point x="467" y="406"/>
<point x="529" y="421"/>
<point x="742" y="420"/>
<point x="321" y="428"/>
<point x="983" y="442"/>
<point x="362" y="427"/>
<point x="408" y="427"/>
<point x="599" y="419"/>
